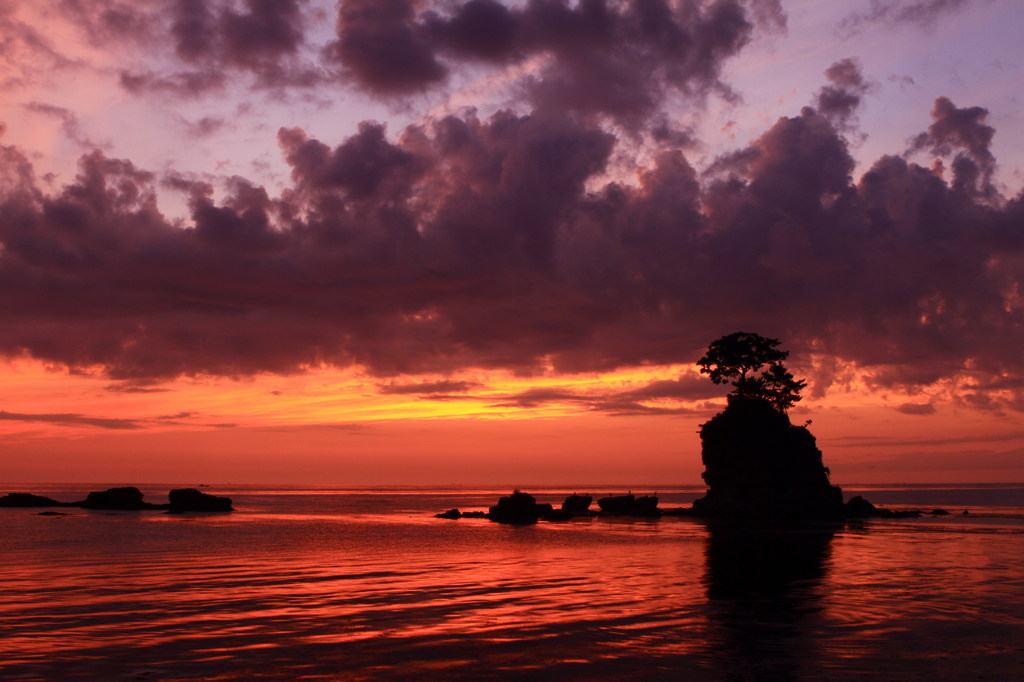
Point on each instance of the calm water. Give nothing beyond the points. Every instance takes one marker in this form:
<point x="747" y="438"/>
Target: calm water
<point x="348" y="584"/>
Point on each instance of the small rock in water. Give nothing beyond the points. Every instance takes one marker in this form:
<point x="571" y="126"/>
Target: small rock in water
<point x="450" y="514"/>
<point x="192" y="500"/>
<point x="28" y="500"/>
<point x="117" y="499"/>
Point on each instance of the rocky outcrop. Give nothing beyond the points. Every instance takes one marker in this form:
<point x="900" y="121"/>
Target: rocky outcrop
<point x="30" y="500"/>
<point x="117" y="499"/>
<point x="621" y="504"/>
<point x="628" y="505"/>
<point x="759" y="465"/>
<point x="453" y="514"/>
<point x="577" y="504"/>
<point x="518" y="508"/>
<point x="192" y="500"/>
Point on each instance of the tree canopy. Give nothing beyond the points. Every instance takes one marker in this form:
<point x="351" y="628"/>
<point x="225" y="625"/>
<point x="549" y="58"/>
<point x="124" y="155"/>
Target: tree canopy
<point x="753" y="365"/>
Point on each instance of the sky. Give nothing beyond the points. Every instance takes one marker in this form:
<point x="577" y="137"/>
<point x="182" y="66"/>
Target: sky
<point x="415" y="243"/>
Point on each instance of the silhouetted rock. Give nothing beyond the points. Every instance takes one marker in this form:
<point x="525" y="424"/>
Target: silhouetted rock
<point x="646" y="506"/>
<point x="192" y="500"/>
<point x="628" y="505"/>
<point x="859" y="508"/>
<point x="519" y="508"/>
<point x="759" y="465"/>
<point x="51" y="514"/>
<point x="29" y="500"/>
<point x="450" y="514"/>
<point x="622" y="504"/>
<point x="474" y="515"/>
<point x="939" y="512"/>
<point x="556" y="514"/>
<point x="577" y="504"/>
<point x="118" y="499"/>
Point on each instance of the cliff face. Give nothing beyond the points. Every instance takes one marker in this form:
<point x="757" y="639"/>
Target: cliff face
<point x="758" y="465"/>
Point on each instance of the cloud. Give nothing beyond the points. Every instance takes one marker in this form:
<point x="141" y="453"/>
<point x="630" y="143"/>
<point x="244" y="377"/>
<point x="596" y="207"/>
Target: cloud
<point x="69" y="123"/>
<point x="966" y="460"/>
<point x="617" y="60"/>
<point x="430" y="388"/>
<point x="69" y="419"/>
<point x="920" y="13"/>
<point x="463" y="242"/>
<point x="916" y="408"/>
<point x="962" y="133"/>
<point x="688" y="388"/>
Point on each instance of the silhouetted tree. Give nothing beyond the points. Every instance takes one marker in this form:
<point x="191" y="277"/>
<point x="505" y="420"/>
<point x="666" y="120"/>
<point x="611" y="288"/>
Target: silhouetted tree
<point x="738" y="359"/>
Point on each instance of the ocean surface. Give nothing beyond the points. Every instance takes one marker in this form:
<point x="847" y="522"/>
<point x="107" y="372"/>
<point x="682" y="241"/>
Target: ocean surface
<point x="364" y="584"/>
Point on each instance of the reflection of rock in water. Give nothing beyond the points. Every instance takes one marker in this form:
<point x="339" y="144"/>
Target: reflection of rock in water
<point x="763" y="587"/>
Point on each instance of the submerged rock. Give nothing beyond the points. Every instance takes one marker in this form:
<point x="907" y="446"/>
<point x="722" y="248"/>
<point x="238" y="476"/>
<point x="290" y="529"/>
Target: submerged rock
<point x="192" y="500"/>
<point x="759" y="465"/>
<point x="29" y="500"/>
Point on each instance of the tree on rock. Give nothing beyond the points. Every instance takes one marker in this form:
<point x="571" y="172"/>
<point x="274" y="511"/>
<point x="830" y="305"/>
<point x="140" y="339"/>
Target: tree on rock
<point x="753" y="365"/>
<point x="757" y="464"/>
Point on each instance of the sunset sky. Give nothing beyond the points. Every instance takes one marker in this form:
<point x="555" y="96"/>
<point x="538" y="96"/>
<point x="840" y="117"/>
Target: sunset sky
<point x="400" y="242"/>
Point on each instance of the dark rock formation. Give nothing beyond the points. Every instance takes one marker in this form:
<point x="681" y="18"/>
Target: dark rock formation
<point x="622" y="504"/>
<point x="627" y="505"/>
<point x="48" y="513"/>
<point x="450" y="514"/>
<point x="759" y="465"/>
<point x="474" y="515"/>
<point x="940" y="512"/>
<point x="859" y="508"/>
<point x="520" y="508"/>
<point x="29" y="500"/>
<point x="192" y="500"/>
<point x="646" y="506"/>
<point x="577" y="504"/>
<point x="119" y="499"/>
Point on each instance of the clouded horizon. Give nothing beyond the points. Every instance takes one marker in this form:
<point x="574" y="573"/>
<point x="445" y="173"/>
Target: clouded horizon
<point x="529" y="205"/>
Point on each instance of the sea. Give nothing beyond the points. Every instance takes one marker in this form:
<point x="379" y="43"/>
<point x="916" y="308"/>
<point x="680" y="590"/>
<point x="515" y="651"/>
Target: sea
<point x="363" y="583"/>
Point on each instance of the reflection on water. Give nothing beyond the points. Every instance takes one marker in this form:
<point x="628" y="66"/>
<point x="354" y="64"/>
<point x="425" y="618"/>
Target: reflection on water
<point x="368" y="585"/>
<point x="763" y="586"/>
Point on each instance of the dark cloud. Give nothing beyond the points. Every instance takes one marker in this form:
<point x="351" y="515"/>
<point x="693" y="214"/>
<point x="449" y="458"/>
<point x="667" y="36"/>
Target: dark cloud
<point x="68" y="419"/>
<point x="842" y="96"/>
<point x="610" y="59"/>
<point x="963" y="134"/>
<point x="499" y="243"/>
